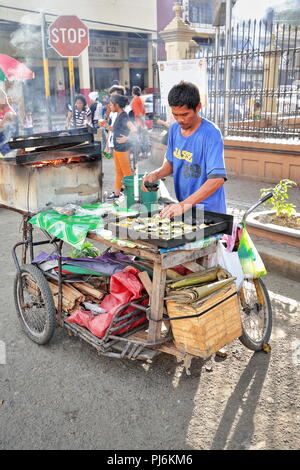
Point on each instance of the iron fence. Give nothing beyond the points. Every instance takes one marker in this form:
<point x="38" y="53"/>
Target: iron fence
<point x="263" y="94"/>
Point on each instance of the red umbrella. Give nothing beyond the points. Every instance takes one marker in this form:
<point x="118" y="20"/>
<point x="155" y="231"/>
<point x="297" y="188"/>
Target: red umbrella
<point x="12" y="69"/>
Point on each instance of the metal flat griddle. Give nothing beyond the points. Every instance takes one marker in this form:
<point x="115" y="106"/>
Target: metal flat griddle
<point x="216" y="224"/>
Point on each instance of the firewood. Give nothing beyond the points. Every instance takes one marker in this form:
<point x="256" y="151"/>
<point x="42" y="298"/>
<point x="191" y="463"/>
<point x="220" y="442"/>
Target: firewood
<point x="71" y="298"/>
<point x="87" y="289"/>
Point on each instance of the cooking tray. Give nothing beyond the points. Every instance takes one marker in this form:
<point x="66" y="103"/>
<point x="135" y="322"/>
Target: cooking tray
<point x="217" y="223"/>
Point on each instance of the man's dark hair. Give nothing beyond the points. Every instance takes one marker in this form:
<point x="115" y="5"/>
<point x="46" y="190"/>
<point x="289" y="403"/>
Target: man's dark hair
<point x="81" y="98"/>
<point x="122" y="101"/>
<point x="115" y="82"/>
<point x="136" y="90"/>
<point x="117" y="88"/>
<point x="184" y="94"/>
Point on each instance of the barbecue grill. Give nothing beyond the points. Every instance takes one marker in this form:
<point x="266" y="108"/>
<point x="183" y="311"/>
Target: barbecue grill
<point x="52" y="168"/>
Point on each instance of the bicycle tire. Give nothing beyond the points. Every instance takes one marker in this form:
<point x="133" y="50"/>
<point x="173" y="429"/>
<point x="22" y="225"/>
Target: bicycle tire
<point x="260" y="305"/>
<point x="38" y="317"/>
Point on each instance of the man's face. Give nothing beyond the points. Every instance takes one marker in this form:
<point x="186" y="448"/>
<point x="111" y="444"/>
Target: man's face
<point x="185" y="117"/>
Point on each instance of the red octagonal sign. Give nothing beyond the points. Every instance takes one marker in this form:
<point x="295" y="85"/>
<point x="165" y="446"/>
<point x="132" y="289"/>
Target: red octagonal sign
<point x="69" y="36"/>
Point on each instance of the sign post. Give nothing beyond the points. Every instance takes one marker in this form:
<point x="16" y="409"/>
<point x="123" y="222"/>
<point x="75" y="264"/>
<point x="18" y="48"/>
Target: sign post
<point x="69" y="36"/>
<point x="46" y="73"/>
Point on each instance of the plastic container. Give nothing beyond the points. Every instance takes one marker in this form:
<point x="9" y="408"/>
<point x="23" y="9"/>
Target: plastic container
<point x="148" y="199"/>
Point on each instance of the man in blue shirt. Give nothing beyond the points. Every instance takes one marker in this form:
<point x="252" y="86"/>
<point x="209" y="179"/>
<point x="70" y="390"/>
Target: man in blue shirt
<point x="195" y="156"/>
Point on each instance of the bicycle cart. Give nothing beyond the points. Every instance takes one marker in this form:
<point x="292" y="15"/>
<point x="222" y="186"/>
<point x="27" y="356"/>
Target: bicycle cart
<point x="39" y="316"/>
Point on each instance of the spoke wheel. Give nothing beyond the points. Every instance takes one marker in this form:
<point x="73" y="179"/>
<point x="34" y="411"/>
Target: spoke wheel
<point x="256" y="314"/>
<point x="34" y="304"/>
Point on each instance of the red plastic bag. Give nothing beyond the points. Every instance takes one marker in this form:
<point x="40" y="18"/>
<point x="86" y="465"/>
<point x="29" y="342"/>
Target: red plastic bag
<point x="125" y="286"/>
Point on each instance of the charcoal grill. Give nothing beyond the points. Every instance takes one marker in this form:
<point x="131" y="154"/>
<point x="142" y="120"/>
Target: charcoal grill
<point x="52" y="168"/>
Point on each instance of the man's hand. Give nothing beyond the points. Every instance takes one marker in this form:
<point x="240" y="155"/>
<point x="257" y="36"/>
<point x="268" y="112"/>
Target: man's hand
<point x="173" y="210"/>
<point x="151" y="177"/>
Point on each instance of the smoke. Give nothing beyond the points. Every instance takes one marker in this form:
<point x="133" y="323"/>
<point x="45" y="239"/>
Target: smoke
<point x="27" y="40"/>
<point x="28" y="95"/>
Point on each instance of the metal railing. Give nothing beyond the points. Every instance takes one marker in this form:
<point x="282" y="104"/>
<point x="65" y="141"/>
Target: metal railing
<point x="264" y="88"/>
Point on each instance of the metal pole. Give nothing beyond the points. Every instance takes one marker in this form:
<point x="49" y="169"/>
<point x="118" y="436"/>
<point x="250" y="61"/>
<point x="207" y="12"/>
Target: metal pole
<point x="46" y="72"/>
<point x="227" y="64"/>
<point x="72" y="84"/>
<point x="217" y="75"/>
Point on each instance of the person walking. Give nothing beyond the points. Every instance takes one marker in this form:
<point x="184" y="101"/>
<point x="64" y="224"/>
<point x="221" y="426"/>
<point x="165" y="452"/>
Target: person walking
<point x="96" y="108"/>
<point x="138" y="115"/>
<point x="138" y="108"/>
<point x="123" y="130"/>
<point x="110" y="117"/>
<point x="195" y="156"/>
<point x="80" y="115"/>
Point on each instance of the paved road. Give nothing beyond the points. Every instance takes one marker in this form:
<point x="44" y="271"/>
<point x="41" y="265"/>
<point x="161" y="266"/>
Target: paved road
<point x="64" y="396"/>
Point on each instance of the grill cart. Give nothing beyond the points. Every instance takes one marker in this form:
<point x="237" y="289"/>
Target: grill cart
<point x="144" y="327"/>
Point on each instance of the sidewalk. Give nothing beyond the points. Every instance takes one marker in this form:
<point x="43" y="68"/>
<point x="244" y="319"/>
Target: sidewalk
<point x="240" y="195"/>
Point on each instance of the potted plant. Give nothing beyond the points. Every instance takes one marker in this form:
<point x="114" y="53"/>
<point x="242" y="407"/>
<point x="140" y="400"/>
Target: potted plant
<point x="282" y="222"/>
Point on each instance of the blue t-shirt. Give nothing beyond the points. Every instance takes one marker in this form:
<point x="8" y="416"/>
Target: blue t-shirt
<point x="195" y="159"/>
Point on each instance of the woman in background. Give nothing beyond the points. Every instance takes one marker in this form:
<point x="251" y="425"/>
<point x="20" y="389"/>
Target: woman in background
<point x="123" y="130"/>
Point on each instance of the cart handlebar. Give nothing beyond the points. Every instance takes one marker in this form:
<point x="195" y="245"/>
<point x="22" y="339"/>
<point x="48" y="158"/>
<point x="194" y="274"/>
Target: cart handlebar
<point x="258" y="203"/>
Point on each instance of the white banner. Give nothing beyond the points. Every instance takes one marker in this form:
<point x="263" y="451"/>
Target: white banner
<point x="191" y="70"/>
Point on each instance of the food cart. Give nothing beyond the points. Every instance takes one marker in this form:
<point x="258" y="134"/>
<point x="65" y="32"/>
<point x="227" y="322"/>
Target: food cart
<point x="142" y="328"/>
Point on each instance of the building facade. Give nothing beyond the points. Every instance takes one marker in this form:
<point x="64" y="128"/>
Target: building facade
<point x="121" y="35"/>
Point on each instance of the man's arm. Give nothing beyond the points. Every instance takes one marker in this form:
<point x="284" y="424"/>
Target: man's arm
<point x="165" y="170"/>
<point x="206" y="190"/>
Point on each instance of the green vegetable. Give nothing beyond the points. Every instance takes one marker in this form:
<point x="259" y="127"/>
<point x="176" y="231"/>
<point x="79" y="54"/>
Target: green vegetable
<point x="87" y="250"/>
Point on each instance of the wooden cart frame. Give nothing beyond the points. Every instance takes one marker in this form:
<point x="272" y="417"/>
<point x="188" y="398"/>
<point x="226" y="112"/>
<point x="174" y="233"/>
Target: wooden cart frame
<point x="142" y="342"/>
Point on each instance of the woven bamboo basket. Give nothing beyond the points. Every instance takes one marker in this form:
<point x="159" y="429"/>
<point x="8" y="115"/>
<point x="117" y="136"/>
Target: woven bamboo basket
<point x="205" y="334"/>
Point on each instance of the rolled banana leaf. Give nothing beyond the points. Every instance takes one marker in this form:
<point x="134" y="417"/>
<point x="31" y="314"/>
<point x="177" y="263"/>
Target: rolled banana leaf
<point x="196" y="293"/>
<point x="209" y="275"/>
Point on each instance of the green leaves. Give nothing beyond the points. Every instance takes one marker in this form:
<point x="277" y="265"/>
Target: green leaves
<point x="87" y="250"/>
<point x="280" y="196"/>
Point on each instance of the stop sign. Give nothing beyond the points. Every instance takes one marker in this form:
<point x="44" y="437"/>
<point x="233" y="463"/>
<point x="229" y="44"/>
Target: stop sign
<point x="69" y="36"/>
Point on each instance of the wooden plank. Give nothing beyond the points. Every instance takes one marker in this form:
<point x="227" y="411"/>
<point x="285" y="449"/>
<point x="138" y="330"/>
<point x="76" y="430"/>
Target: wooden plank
<point x="174" y="258"/>
<point x="146" y="281"/>
<point x="170" y="348"/>
<point x="193" y="266"/>
<point x="143" y="253"/>
<point x="157" y="302"/>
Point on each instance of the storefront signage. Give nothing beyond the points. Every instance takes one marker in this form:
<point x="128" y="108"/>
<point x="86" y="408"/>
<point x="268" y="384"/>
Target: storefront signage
<point x="138" y="54"/>
<point x="104" y="48"/>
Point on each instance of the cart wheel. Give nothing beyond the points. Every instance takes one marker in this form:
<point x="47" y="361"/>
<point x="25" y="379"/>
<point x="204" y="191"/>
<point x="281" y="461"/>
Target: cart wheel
<point x="36" y="310"/>
<point x="256" y="314"/>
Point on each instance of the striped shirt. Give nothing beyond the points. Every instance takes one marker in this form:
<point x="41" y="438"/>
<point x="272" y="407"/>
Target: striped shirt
<point x="79" y="118"/>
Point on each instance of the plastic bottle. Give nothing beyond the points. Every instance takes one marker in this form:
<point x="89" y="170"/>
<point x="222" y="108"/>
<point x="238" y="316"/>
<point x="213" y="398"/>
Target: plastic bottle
<point x="106" y="155"/>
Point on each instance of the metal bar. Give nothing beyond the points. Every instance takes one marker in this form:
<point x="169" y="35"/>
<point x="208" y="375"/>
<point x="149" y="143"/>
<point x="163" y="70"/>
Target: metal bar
<point x="60" y="282"/>
<point x="51" y="141"/>
<point x="90" y="150"/>
<point x="127" y="323"/>
<point x="46" y="69"/>
<point x="227" y="64"/>
<point x="217" y="75"/>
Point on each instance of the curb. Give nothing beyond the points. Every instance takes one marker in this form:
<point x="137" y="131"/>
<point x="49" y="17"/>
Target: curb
<point x="280" y="264"/>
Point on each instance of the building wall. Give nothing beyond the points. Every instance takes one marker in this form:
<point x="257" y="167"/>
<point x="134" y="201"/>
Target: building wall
<point x="119" y="12"/>
<point x="127" y="57"/>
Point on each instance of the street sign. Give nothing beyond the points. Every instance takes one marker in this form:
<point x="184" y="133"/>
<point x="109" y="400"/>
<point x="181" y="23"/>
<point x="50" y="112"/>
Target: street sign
<point x="69" y="36"/>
